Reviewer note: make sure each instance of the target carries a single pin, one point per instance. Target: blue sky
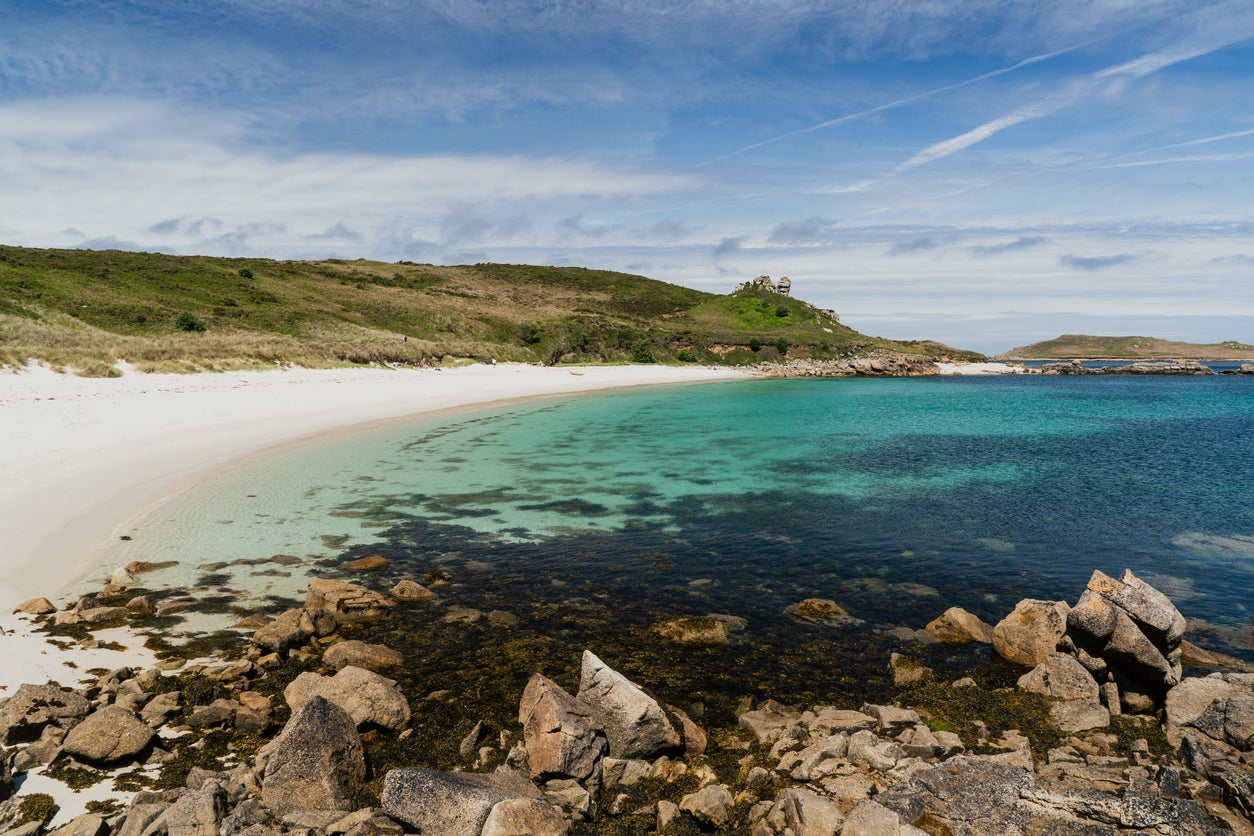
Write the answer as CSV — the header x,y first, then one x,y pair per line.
x,y
983,173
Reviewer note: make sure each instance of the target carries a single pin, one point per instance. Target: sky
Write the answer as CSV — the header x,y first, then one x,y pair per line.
x,y
987,173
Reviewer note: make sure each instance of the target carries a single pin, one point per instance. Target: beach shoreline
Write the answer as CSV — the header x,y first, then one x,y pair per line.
x,y
87,457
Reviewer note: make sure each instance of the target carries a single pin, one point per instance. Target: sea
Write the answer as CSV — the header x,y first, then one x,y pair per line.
x,y
586,522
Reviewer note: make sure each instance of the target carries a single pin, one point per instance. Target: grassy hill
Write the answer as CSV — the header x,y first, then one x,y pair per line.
x,y
86,309
1083,346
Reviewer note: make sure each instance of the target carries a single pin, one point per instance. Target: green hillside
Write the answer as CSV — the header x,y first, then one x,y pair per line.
x,y
1086,347
86,309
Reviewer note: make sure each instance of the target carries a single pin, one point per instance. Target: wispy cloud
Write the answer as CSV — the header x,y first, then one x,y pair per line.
x,y
1237,258
916,245
1023,242
1190,158
1094,263
812,230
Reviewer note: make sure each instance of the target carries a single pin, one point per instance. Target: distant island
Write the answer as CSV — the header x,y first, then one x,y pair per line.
x,y
1088,347
85,309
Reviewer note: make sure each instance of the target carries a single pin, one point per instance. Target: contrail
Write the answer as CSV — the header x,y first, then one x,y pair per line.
x,y
1035,59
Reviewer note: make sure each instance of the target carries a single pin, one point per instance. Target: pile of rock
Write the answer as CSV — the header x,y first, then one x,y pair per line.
x,y
881,364
1172,367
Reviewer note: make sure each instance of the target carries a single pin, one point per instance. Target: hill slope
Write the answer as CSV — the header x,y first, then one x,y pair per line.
x,y
86,309
1086,347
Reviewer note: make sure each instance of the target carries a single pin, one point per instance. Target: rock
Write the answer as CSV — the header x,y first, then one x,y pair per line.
x,y
218,713
667,813
1130,652
805,813
140,605
635,725
103,615
373,563
502,619
88,824
964,795
284,633
1191,654
1062,677
447,803
107,735
563,735
1091,620
1073,716
1029,634
359,654
695,738
957,626
891,717
870,818
867,750
570,796
348,601
160,708
365,695
707,629
525,817
36,606
812,762
906,671
197,813
826,720
821,611
25,714
769,721
1152,611
708,805
411,592
316,762
617,772
139,567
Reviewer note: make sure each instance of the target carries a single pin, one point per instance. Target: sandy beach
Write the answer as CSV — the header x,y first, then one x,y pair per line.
x,y
83,457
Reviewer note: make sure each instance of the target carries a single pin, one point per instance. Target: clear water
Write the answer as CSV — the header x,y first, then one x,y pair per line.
x,y
897,498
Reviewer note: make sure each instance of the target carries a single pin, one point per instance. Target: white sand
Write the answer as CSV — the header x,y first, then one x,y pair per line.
x,y
981,368
82,457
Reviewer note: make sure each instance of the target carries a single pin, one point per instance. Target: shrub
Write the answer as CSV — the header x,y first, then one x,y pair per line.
x,y
782,345
245,273
755,345
189,322
641,352
686,356
528,333
781,311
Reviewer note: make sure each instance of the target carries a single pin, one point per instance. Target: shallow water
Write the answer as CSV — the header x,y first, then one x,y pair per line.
x,y
895,497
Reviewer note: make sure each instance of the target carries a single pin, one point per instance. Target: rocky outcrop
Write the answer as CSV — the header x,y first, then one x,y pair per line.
x,y
316,762
370,699
107,735
636,726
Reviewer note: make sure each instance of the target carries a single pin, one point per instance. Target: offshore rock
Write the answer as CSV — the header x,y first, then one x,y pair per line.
x,y
365,695
564,738
447,803
316,762
635,724
110,734
1029,634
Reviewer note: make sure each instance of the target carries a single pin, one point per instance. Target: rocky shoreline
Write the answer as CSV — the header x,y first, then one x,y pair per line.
x,y
297,728
892,364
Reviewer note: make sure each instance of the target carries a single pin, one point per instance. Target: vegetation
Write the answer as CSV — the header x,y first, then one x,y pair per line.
x,y
88,309
1086,347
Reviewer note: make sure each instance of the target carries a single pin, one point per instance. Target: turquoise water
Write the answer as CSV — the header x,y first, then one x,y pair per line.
x,y
896,498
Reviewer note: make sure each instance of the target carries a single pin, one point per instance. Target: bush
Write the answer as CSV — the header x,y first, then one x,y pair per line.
x,y
782,345
781,311
642,352
245,273
686,356
528,333
755,345
189,322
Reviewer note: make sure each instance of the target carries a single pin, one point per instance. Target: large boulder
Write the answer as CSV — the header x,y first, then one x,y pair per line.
x,y
110,734
33,707
1152,611
563,737
448,803
197,813
365,695
316,762
635,724
525,817
957,626
349,602
1029,634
